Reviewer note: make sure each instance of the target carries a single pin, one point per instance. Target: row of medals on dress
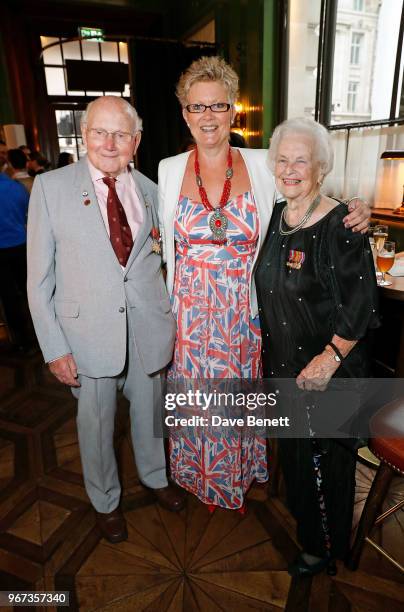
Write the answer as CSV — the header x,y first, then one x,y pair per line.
x,y
296,258
218,222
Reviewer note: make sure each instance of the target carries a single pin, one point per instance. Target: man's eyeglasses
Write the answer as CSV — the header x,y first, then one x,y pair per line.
x,y
218,107
102,135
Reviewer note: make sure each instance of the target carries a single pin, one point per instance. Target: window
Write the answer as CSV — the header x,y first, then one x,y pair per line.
x,y
69,104
356,44
358,5
352,95
69,132
54,59
365,41
368,56
357,88
304,27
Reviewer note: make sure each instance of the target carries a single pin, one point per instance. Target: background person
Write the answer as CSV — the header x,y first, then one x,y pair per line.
x,y
13,257
65,159
17,161
3,156
317,295
237,140
37,164
25,149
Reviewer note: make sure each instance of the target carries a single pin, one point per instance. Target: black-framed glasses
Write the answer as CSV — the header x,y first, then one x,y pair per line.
x,y
217,107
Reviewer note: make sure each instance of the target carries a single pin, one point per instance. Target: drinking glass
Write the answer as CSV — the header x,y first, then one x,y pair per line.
x,y
385,261
372,245
380,234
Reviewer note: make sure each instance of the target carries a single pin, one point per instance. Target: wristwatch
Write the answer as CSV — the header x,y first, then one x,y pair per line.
x,y
336,353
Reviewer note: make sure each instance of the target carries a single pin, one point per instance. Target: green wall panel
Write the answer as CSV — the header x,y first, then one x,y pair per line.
x,y
6,108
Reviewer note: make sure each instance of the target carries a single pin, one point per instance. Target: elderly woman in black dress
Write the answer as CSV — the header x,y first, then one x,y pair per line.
x,y
317,298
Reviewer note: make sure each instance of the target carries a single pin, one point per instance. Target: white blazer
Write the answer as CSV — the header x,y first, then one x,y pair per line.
x,y
171,175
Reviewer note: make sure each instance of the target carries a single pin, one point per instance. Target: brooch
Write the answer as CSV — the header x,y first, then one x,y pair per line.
x,y
296,259
156,240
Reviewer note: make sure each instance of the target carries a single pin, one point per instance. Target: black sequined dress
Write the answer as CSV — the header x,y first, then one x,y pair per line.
x,y
312,284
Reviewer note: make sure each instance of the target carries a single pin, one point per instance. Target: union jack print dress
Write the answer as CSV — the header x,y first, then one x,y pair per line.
x,y
216,338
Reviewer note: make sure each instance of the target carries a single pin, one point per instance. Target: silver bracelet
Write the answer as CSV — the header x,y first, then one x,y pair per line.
x,y
348,201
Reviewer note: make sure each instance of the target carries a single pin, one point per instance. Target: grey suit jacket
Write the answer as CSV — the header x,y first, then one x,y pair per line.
x,y
79,296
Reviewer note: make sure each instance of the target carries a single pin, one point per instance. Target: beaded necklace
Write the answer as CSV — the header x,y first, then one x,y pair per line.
x,y
218,221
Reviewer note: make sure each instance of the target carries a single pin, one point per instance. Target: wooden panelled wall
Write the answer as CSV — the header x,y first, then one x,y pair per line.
x,y
248,35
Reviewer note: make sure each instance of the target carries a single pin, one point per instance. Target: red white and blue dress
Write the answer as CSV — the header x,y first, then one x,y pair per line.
x,y
216,338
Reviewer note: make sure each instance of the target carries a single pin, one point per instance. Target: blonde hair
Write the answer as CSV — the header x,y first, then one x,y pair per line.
x,y
323,152
206,68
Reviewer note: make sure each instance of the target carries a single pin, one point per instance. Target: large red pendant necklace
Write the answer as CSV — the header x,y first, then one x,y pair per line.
x,y
218,221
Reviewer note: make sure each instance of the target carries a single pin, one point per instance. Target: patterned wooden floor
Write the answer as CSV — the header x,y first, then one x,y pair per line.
x,y
176,562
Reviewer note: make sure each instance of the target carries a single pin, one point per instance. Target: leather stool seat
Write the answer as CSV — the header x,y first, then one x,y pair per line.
x,y
387,431
387,443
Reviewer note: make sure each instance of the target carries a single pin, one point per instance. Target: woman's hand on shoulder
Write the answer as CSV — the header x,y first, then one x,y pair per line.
x,y
359,215
318,372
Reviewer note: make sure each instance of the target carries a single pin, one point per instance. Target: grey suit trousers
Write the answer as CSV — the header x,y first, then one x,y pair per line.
x,y
97,401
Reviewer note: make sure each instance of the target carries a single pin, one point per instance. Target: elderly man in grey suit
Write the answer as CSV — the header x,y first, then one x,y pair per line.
x,y
99,302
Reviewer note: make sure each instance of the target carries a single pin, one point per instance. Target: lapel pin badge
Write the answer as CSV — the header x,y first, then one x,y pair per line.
x,y
87,201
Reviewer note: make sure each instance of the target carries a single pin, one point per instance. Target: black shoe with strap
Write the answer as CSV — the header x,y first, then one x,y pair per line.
x,y
301,568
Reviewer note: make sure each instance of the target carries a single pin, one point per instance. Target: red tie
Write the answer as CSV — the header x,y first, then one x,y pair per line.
x,y
119,230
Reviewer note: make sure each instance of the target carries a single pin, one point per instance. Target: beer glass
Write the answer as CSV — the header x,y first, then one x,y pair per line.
x,y
385,261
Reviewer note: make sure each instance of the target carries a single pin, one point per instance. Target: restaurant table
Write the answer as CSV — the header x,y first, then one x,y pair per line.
x,y
395,291
390,345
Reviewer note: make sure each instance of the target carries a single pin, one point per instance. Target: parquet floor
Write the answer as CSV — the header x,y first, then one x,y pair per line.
x,y
191,561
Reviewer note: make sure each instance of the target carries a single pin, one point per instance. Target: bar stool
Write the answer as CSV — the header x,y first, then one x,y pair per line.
x,y
389,423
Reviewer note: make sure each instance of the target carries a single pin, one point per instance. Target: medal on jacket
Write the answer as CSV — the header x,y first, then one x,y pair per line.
x,y
156,241
296,259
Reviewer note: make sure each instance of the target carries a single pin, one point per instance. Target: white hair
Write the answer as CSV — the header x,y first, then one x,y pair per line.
x,y
126,107
323,152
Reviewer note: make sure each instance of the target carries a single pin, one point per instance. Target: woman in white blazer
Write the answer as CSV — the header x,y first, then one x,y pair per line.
x,y
171,176
215,204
